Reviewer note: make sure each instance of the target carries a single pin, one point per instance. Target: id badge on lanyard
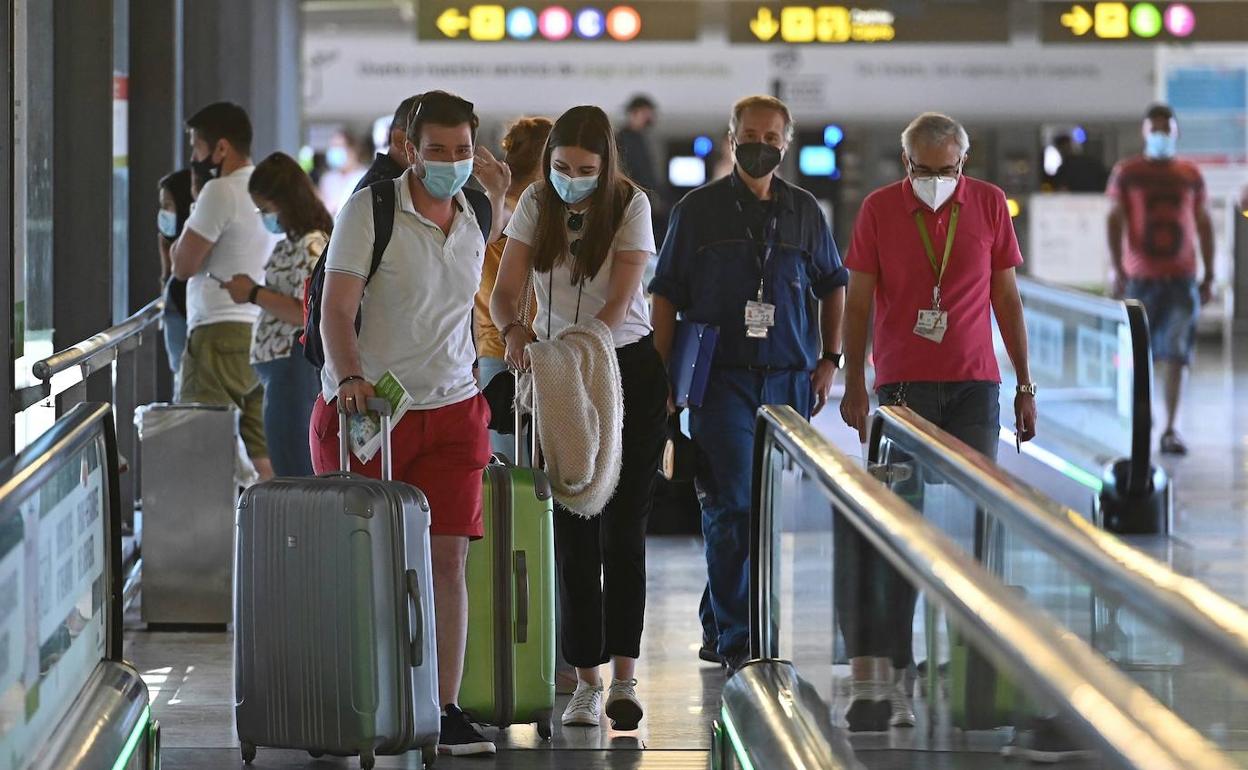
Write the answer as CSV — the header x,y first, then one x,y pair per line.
x,y
760,316
933,323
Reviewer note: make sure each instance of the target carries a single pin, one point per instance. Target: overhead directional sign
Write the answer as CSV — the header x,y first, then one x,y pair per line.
x,y
1125,22
607,21
903,21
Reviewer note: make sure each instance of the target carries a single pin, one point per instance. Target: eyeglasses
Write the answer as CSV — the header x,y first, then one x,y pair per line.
x,y
576,221
947,171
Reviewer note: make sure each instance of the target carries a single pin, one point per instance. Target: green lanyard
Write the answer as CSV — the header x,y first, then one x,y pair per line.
x,y
939,270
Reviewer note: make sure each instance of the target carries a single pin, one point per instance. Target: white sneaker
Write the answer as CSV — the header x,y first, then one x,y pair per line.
x,y
902,705
623,708
585,708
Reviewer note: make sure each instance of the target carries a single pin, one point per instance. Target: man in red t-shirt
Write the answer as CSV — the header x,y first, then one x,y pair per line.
x,y
1158,215
935,253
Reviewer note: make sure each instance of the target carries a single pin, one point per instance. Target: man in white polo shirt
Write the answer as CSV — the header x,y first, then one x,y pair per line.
x,y
223,237
416,312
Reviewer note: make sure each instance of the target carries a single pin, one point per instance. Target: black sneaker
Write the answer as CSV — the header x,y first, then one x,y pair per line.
x,y
734,662
459,738
1045,743
709,653
868,716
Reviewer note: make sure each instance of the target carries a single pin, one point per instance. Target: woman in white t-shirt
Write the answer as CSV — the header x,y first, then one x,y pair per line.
x,y
286,201
586,234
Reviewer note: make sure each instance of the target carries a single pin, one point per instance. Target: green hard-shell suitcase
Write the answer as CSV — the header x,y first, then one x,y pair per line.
x,y
509,666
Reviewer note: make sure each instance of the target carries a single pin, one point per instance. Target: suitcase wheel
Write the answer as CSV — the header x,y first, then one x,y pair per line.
x,y
429,755
316,754
544,729
367,760
249,752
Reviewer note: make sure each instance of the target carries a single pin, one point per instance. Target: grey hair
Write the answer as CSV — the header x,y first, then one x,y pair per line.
x,y
932,129
764,103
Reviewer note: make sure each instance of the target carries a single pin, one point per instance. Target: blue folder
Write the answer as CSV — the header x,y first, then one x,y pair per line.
x,y
689,365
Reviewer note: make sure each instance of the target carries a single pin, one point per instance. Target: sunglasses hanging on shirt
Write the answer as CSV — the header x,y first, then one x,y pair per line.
x,y
576,222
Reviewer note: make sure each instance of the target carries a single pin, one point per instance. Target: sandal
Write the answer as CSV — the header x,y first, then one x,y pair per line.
x,y
1171,444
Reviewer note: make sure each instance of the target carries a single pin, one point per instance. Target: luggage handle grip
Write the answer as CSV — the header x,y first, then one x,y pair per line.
x,y
382,407
522,597
418,638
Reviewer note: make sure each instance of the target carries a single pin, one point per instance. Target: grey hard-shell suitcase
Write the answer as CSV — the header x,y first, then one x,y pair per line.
x,y
334,642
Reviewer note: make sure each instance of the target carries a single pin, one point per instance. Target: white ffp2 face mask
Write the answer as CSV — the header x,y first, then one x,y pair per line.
x,y
934,191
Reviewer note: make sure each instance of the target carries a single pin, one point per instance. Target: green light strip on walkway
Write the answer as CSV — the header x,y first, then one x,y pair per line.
x,y
735,737
140,727
1057,463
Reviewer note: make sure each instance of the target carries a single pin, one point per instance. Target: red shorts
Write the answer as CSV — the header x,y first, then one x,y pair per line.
x,y
442,452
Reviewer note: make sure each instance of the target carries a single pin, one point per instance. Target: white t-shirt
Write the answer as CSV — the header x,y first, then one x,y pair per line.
x,y
417,308
225,215
635,233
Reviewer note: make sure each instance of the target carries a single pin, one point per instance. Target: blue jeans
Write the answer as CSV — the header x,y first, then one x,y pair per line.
x,y
291,386
175,337
723,432
1172,306
499,444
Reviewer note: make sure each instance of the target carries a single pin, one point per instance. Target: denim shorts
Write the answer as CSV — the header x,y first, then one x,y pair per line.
x,y
1172,305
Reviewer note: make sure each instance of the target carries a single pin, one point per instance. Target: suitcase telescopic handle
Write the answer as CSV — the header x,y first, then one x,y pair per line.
x,y
418,636
519,429
381,407
522,597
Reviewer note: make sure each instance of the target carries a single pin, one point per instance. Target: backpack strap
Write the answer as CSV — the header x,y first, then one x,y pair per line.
x,y
484,211
384,202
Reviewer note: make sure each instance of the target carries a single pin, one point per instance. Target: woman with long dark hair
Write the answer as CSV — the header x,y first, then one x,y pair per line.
x,y
584,233
175,208
287,202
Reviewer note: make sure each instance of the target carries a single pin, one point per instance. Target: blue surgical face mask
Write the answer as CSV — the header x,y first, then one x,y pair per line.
x,y
270,222
443,180
167,223
1160,145
573,190
336,157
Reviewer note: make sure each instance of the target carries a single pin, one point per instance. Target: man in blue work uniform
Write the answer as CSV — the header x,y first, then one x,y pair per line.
x,y
749,254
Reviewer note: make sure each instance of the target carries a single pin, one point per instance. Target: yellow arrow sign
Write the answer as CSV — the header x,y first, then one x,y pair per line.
x,y
764,26
1078,20
451,22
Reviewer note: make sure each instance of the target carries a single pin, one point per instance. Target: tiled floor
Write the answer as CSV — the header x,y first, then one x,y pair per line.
x,y
191,682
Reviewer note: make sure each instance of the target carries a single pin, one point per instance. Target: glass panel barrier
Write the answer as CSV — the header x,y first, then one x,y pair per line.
x,y
840,560
1080,353
1184,644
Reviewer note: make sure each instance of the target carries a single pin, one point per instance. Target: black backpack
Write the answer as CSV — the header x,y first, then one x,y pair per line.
x,y
384,202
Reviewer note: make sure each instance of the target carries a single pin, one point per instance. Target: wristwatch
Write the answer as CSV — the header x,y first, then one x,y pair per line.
x,y
1028,389
836,358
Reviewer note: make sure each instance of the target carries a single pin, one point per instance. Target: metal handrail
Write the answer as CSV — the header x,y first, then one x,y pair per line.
x,y
1140,470
1216,624
771,718
1109,710
87,350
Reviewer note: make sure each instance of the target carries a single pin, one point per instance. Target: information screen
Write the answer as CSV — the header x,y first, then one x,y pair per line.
x,y
53,596
518,22
921,21
1152,22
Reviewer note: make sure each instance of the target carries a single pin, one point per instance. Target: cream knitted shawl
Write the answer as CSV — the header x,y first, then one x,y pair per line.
x,y
574,393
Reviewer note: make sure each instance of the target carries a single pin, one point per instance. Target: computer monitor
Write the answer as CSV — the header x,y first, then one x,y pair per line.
x,y
686,171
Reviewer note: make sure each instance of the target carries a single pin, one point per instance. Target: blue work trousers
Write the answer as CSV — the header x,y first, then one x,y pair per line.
x,y
723,432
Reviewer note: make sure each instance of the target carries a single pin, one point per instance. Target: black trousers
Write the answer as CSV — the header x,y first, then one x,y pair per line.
x,y
874,602
601,562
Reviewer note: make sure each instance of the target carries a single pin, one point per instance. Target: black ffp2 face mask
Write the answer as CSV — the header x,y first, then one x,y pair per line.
x,y
757,159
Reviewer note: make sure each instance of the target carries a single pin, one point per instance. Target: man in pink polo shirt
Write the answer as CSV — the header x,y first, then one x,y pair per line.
x,y
936,252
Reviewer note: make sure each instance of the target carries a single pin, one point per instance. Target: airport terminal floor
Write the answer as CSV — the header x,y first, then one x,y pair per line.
x,y
190,681
190,191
